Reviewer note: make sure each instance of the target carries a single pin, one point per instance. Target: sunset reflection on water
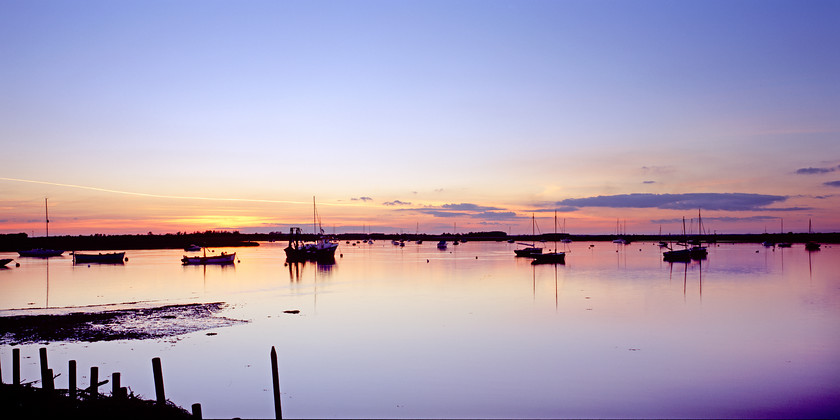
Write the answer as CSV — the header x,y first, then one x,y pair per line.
x,y
472,331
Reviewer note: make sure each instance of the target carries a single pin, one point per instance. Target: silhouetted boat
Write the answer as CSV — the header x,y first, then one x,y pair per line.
x,y
224,258
698,252
530,249
550,257
110,258
811,245
768,244
43,252
192,247
322,250
5,261
441,245
677,255
784,244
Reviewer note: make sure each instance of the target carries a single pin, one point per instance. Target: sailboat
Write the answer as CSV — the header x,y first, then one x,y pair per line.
x,y
697,251
551,257
565,240
43,252
531,249
811,245
678,255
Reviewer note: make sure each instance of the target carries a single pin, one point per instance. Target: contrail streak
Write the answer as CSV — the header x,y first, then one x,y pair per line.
x,y
243,200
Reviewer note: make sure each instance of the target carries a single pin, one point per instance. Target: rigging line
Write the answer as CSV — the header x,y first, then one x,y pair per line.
x,y
245,200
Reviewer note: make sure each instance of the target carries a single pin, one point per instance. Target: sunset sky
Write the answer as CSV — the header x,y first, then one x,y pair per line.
x,y
167,116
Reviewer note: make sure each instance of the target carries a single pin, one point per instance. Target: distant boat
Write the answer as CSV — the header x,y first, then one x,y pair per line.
x,y
110,258
811,245
5,261
193,248
224,258
784,244
441,245
43,252
530,249
768,244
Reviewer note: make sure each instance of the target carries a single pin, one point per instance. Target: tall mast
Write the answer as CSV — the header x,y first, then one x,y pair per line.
x,y
47,213
314,217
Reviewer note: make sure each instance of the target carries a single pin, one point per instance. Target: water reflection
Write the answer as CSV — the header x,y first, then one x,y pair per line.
x,y
750,336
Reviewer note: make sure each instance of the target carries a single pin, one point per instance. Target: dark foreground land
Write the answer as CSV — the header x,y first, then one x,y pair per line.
x,y
20,241
26,401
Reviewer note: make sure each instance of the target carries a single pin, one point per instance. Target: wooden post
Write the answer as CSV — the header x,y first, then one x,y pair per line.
x,y
158,372
16,366
196,411
115,384
71,386
44,368
50,385
94,381
275,378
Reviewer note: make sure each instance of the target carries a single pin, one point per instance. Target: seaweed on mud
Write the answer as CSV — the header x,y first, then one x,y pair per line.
x,y
124,324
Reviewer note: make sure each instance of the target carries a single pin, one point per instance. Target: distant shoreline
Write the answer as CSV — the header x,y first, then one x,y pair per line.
x,y
21,241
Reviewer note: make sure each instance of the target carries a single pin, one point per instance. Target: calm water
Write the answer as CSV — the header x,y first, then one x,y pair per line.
x,y
469,332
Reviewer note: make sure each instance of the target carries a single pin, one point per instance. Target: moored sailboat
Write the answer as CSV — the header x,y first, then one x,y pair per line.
x,y
43,252
550,257
531,249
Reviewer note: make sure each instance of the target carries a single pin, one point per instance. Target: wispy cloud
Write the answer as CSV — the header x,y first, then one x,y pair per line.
x,y
468,207
832,183
466,210
361,199
396,203
812,171
648,182
720,219
706,201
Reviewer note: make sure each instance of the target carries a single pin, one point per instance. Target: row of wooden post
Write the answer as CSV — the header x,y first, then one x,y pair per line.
x,y
117,391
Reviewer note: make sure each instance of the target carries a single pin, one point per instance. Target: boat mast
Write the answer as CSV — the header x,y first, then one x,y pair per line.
x,y
47,213
314,217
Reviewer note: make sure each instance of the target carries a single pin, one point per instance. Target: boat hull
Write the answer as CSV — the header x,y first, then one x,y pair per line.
x,y
4,261
680,255
528,252
41,253
549,258
215,259
111,258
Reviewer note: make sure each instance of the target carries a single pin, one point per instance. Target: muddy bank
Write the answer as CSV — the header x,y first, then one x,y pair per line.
x,y
124,324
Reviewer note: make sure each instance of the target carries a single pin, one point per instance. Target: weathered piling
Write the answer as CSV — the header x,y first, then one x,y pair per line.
x,y
94,381
158,372
196,411
46,377
71,373
115,384
275,379
16,366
